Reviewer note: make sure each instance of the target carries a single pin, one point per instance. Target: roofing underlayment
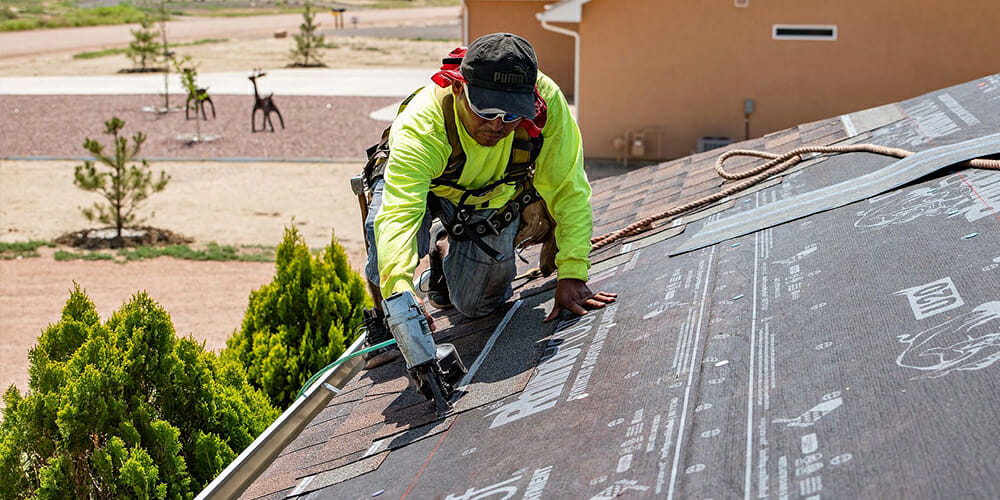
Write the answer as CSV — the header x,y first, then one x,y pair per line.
x,y
843,350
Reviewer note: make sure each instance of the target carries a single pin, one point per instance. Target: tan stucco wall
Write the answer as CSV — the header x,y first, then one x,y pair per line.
x,y
687,66
554,50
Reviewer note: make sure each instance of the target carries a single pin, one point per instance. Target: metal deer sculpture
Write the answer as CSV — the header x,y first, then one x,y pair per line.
x,y
200,97
264,104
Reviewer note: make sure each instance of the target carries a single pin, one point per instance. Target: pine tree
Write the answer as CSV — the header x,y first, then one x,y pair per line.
x,y
308,43
123,187
144,47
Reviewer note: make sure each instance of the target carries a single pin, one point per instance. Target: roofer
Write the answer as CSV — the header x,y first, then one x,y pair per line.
x,y
469,178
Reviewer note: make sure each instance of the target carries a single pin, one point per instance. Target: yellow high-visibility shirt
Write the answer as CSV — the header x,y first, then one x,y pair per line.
x,y
419,152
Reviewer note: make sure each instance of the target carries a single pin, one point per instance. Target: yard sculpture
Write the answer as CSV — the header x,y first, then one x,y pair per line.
x,y
200,97
264,104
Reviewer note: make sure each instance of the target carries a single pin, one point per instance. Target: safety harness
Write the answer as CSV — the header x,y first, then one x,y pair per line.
x,y
519,172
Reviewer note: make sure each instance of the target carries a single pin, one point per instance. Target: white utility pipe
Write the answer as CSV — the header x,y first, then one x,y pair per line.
x,y
576,63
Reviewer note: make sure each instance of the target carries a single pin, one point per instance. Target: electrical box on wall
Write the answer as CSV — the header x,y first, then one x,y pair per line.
x,y
707,143
639,143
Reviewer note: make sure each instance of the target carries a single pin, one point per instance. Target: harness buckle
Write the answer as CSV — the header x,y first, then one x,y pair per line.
x,y
493,224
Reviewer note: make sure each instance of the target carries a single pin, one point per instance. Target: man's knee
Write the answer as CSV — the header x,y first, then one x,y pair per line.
x,y
473,309
477,290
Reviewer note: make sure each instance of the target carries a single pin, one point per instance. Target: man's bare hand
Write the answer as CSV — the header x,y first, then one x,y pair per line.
x,y
575,296
427,315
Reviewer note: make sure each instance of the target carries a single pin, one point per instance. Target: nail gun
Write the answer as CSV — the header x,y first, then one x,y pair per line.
x,y
436,370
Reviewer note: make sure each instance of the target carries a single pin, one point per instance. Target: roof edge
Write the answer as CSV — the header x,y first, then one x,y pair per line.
x,y
257,457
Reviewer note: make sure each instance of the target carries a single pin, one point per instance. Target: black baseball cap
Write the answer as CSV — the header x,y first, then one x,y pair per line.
x,y
500,70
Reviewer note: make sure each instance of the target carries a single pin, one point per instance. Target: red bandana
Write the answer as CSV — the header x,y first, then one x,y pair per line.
x,y
450,73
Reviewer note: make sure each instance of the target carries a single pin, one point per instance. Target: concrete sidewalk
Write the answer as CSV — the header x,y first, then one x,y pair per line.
x,y
393,82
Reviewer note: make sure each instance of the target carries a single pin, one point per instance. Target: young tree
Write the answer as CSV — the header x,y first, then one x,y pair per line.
x,y
167,55
301,321
123,187
189,75
124,409
308,43
144,46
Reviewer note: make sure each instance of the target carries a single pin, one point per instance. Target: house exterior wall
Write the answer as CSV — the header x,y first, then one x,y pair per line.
x,y
685,67
553,50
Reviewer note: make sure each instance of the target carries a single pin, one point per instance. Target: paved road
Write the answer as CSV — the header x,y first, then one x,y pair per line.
x,y
25,43
393,82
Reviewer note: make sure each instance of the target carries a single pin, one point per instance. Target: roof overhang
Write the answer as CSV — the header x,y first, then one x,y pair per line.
x,y
567,11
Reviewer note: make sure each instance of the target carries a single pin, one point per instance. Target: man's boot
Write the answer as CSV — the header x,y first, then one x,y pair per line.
x,y
377,332
437,287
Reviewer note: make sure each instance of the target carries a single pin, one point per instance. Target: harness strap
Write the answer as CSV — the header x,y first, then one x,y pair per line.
x,y
456,160
460,228
524,150
492,252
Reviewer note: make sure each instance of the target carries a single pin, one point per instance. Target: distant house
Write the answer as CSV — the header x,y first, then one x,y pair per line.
x,y
662,79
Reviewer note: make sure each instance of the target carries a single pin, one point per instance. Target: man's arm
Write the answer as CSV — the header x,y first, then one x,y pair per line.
x,y
419,148
561,180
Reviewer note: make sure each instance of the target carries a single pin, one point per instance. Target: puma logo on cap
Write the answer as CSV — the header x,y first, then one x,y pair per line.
x,y
519,76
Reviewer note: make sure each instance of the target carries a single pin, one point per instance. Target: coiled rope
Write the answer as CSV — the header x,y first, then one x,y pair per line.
x,y
776,164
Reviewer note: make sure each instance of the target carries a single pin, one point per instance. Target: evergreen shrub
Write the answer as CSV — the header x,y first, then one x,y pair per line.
x,y
300,322
124,409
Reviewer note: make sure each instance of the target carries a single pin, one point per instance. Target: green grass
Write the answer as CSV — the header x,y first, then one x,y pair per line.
x,y
403,4
22,249
211,252
19,15
63,255
203,41
245,13
94,54
121,50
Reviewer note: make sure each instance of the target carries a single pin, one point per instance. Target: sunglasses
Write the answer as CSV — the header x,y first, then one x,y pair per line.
x,y
491,113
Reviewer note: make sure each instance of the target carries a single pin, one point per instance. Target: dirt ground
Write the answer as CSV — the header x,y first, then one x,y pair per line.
x,y
242,54
246,203
237,204
225,203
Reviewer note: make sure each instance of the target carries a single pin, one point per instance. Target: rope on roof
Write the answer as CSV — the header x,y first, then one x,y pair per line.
x,y
777,163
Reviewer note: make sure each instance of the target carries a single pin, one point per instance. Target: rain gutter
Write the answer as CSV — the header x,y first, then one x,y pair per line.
x,y
567,11
257,457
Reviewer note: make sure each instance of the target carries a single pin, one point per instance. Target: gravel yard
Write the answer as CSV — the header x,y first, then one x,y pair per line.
x,y
318,128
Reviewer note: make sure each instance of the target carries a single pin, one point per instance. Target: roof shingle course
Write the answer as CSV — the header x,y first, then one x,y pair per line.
x,y
647,356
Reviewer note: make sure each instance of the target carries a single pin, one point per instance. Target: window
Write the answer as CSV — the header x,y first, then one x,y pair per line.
x,y
803,32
